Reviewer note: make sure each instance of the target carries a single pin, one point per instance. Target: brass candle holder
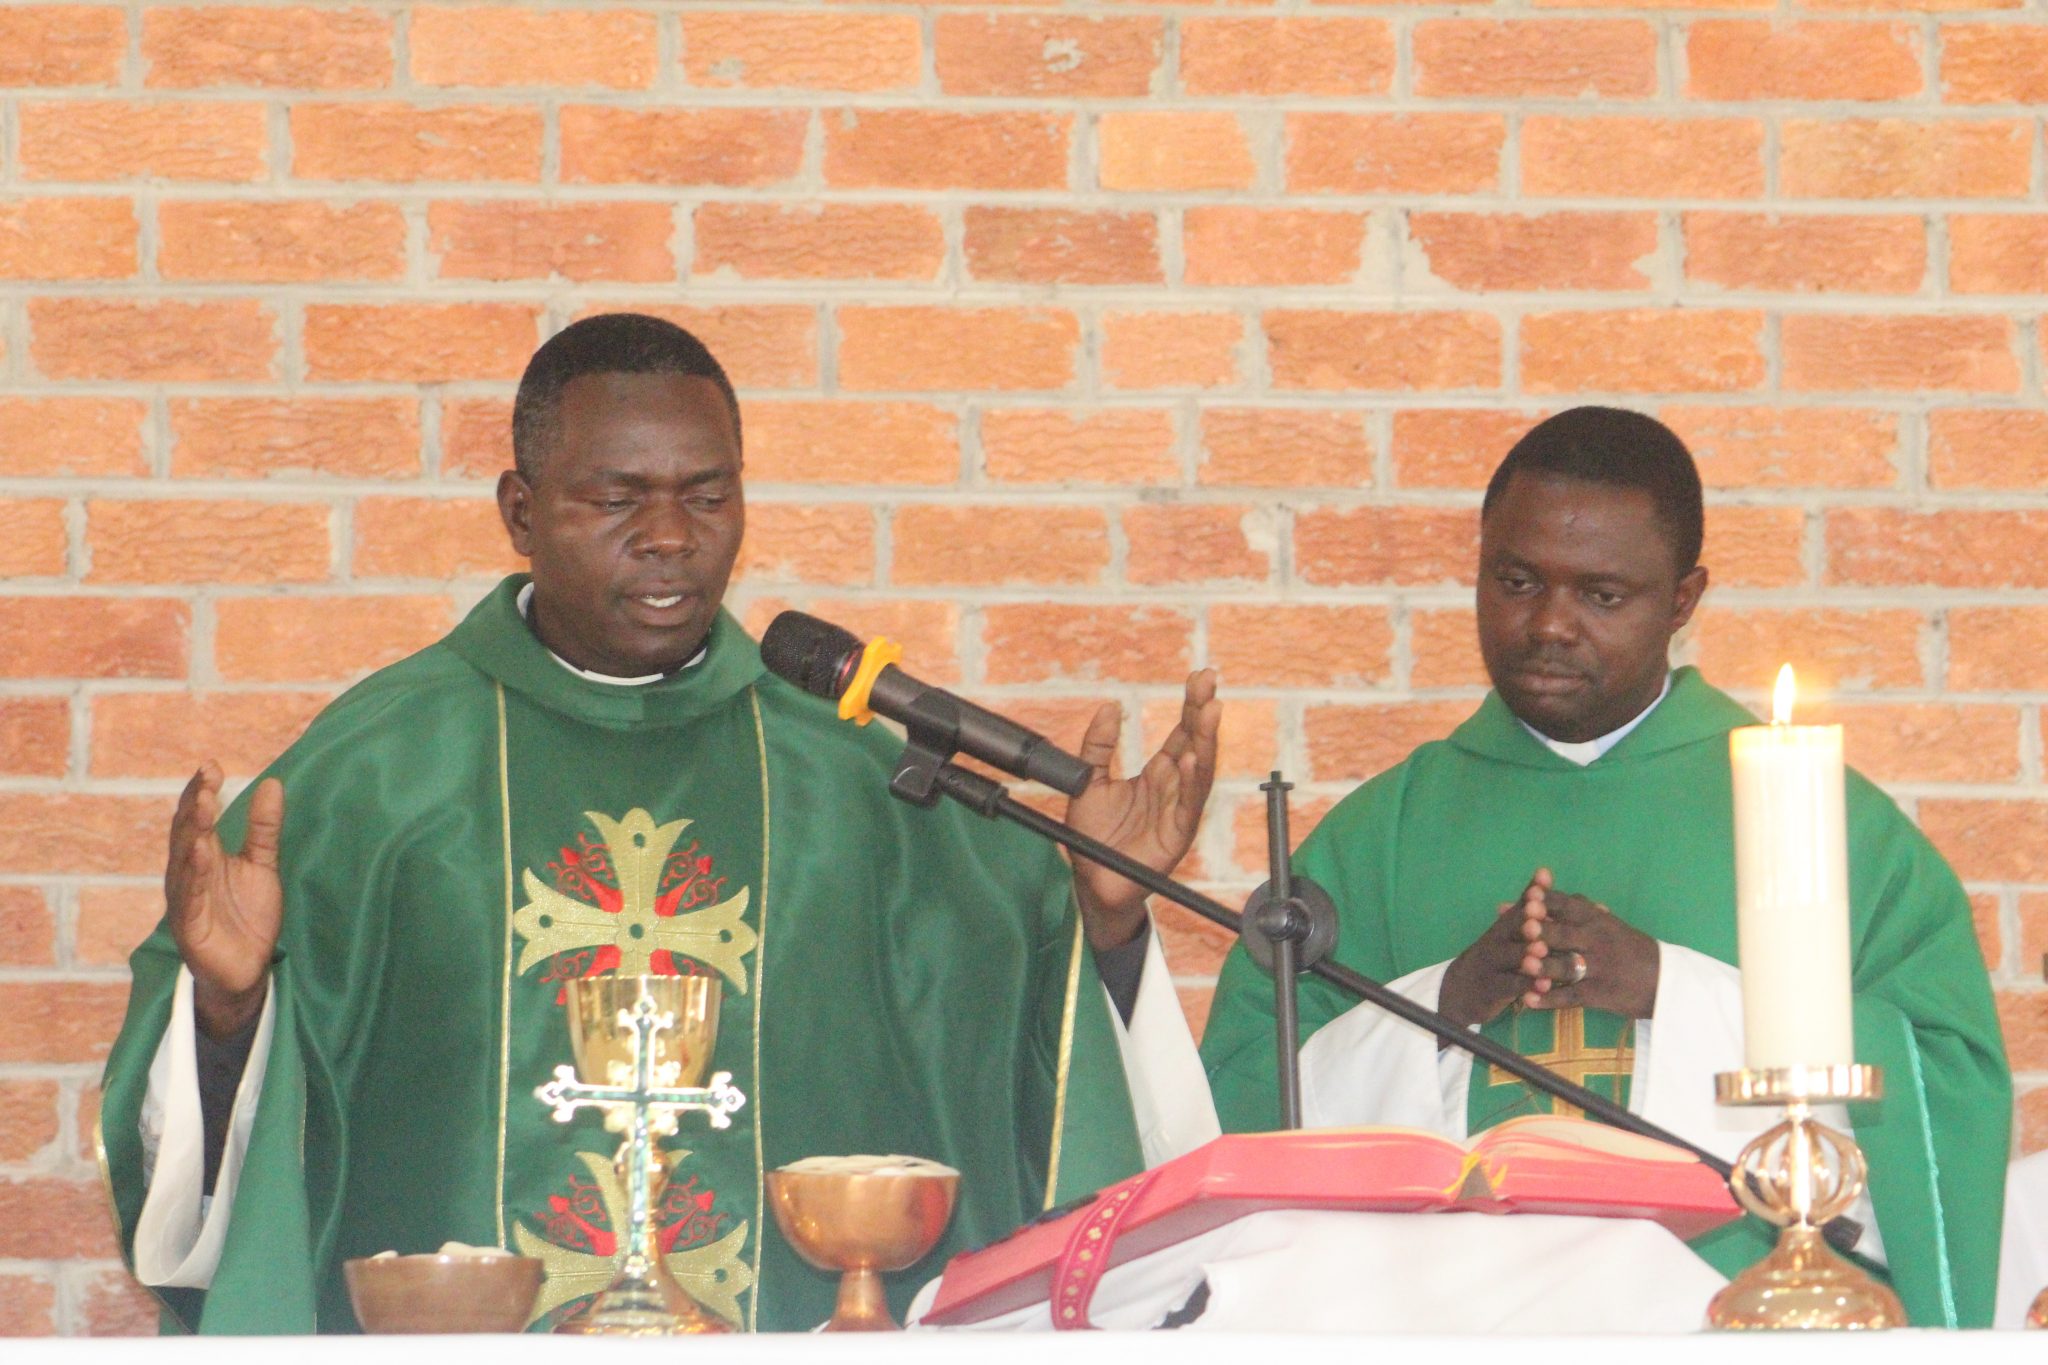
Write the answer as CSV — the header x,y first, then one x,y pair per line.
x,y
1799,1175
642,1046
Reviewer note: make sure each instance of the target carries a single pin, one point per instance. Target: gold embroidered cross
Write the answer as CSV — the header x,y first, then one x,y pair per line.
x,y
1570,1058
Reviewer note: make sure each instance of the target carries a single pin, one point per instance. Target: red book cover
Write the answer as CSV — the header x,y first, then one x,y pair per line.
x,y
1540,1164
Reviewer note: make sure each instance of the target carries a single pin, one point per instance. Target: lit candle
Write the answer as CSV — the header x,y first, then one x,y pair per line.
x,y
1791,890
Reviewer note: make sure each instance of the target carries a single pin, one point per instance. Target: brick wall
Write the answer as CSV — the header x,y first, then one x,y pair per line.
x,y
1079,344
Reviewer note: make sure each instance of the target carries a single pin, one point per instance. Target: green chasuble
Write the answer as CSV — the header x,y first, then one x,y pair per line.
x,y
1419,859
470,828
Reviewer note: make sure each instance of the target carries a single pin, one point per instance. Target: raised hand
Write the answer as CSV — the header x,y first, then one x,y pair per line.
x,y
225,909
1152,817
1497,969
1586,955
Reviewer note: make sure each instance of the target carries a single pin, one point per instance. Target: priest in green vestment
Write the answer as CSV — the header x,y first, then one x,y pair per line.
x,y
594,774
1559,873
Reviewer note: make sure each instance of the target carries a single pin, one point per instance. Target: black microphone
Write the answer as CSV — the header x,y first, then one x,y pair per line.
x,y
828,661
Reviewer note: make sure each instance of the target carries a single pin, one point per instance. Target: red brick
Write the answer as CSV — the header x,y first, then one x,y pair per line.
x,y
993,546
761,345
1643,350
1046,642
272,243
1443,648
168,734
2023,1020
1762,59
1170,350
1910,354
1990,841
1898,158
476,437
321,639
1228,244
946,149
28,1120
431,538
1284,448
1352,743
1173,149
1061,445
37,542
1454,447
240,438
397,143
1756,547
1816,253
2031,1111
35,736
1061,246
1994,64
762,50
161,340
1373,546
298,48
418,343
915,348
60,1022
1498,251
537,240
2033,925
67,833
114,1305
1957,547
1296,55
1789,447
116,140
1058,56
1322,349
626,146
1984,918
504,45
1193,946
38,1213
68,239
1643,157
28,938
1926,742
1987,448
928,631
1247,740
188,541
851,443
1536,58
1997,648
93,637
62,44
809,543
1331,153
1997,253
1317,647
113,920
1833,650
818,241
76,437
1198,543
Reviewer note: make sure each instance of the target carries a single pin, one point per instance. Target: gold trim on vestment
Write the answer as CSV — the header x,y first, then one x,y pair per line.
x,y
760,991
1059,1093
505,963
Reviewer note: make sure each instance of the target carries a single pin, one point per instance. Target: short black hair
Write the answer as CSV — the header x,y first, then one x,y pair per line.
x,y
1621,448
608,343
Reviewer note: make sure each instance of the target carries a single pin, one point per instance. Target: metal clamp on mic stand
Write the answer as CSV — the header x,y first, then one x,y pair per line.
x,y
1289,925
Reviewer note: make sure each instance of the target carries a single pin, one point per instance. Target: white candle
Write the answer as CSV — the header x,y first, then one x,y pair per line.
x,y
1791,890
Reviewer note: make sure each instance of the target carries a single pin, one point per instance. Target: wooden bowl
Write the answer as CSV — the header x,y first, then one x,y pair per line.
x,y
418,1294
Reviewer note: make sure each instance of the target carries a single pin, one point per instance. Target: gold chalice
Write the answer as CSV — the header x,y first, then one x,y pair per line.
x,y
863,1216
643,1046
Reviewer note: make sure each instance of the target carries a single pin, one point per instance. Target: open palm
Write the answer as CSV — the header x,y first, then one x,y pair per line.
x,y
225,909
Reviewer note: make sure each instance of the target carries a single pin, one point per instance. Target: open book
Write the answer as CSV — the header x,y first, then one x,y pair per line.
x,y
1540,1164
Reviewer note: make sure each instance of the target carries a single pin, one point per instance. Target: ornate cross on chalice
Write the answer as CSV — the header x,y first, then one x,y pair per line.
x,y
642,1046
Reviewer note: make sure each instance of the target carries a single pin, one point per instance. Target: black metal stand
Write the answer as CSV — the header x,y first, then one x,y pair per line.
x,y
1289,925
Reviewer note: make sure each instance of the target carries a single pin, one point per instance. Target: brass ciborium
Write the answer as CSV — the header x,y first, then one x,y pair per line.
x,y
642,1046
863,1216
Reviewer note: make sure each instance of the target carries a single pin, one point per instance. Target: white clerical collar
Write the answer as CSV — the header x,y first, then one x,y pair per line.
x,y
1586,751
525,599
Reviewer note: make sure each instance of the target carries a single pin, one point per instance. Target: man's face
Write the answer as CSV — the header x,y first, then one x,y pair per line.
x,y
1579,596
633,521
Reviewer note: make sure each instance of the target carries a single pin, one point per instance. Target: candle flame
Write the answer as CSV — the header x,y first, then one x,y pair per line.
x,y
1781,697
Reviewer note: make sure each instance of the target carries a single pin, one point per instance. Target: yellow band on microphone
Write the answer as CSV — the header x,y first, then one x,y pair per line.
x,y
853,702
